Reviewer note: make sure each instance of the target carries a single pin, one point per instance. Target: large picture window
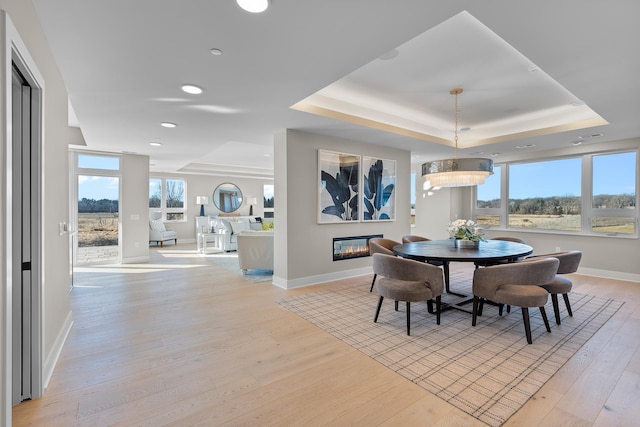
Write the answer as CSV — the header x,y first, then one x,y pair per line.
x,y
167,195
590,194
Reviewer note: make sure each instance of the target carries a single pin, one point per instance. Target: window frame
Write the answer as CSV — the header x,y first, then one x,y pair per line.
x,y
163,209
588,212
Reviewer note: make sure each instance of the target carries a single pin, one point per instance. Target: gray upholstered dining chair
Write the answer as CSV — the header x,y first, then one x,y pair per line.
x,y
380,245
569,262
409,238
505,239
407,280
518,284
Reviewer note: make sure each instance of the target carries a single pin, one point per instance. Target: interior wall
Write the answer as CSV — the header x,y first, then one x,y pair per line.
x,y
309,256
55,194
134,208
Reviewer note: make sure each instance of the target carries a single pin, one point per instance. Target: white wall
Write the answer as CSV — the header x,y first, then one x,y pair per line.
x,y
134,208
55,171
303,248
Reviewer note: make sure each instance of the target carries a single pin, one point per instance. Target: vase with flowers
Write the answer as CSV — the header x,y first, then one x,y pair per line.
x,y
465,233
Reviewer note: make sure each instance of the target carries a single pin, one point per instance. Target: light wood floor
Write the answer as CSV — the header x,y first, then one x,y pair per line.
x,y
180,341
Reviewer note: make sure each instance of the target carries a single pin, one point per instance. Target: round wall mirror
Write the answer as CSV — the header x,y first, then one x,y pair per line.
x,y
227,197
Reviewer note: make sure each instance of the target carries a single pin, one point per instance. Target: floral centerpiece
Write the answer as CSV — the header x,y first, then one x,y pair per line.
x,y
465,230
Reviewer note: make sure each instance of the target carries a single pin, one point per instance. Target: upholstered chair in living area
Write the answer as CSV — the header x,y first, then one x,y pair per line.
x,y
518,284
569,262
157,231
407,280
379,245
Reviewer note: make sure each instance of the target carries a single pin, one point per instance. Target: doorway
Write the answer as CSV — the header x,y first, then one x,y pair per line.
x,y
26,236
95,208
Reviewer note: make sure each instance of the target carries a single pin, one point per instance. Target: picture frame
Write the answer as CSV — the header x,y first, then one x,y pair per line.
x,y
378,189
339,180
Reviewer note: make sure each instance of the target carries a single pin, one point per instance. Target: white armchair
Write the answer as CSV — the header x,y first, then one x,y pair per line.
x,y
157,231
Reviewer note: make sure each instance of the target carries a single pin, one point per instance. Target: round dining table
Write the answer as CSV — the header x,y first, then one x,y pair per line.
x,y
442,252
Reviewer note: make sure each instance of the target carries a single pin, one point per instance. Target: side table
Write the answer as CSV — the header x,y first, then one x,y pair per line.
x,y
215,238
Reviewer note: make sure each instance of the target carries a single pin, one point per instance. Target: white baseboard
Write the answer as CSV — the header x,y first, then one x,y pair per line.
x,y
609,274
321,278
52,357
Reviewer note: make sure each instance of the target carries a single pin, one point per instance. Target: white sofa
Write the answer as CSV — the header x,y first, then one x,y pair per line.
x,y
157,231
255,250
231,227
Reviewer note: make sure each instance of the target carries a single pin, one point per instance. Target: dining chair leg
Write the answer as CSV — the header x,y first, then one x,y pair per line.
x,y
430,307
527,325
475,310
438,298
481,307
566,302
408,317
543,313
500,308
556,307
396,305
375,319
373,282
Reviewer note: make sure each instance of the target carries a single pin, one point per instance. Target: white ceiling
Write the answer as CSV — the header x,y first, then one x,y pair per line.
x,y
123,63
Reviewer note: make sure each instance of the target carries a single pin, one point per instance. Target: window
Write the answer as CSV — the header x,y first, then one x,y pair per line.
x,y
92,161
546,195
614,193
590,194
489,201
167,195
268,200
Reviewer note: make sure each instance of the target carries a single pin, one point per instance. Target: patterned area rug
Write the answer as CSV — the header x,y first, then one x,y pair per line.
x,y
229,261
488,371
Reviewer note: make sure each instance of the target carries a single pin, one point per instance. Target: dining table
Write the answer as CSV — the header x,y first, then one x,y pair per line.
x,y
443,252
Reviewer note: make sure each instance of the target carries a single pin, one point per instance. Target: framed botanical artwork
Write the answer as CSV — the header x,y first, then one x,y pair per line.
x,y
338,184
378,189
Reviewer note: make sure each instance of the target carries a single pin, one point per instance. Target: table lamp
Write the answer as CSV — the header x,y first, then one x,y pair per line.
x,y
202,200
251,201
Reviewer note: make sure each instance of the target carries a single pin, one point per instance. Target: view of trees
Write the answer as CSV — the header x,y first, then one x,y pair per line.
x,y
567,205
94,206
268,202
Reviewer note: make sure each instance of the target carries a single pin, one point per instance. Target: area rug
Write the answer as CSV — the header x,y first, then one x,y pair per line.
x,y
229,261
488,371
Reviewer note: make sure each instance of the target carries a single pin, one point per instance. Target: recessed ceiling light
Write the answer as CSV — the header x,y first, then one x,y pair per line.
x,y
578,142
467,129
578,103
156,144
192,89
495,154
533,68
215,51
526,146
253,6
596,135
168,124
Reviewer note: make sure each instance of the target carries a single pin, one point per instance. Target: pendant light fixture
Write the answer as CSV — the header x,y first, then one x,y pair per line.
x,y
457,172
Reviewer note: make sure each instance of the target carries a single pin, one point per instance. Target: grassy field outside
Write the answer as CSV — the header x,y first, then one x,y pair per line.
x,y
561,222
97,229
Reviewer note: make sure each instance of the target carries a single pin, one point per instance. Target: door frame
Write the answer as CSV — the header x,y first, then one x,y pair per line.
x,y
14,51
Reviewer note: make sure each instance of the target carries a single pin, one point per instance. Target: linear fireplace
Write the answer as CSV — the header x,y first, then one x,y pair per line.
x,y
351,247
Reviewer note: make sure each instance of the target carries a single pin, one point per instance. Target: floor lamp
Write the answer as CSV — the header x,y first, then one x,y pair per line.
x,y
202,200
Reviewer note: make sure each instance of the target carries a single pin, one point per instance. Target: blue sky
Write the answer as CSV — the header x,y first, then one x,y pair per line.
x,y
612,174
97,187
